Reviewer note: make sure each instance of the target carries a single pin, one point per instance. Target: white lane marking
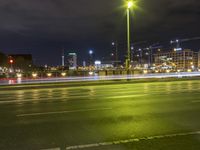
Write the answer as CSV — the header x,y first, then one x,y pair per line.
x,y
62,112
130,140
125,96
51,149
18,101
39,99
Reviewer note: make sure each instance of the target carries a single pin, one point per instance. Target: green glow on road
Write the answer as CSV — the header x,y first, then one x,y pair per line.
x,y
61,117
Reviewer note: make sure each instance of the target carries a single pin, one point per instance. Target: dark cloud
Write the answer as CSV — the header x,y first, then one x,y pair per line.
x,y
44,27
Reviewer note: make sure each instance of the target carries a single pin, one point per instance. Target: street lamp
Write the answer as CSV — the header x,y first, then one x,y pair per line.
x,y
19,75
63,74
49,74
91,52
130,4
34,75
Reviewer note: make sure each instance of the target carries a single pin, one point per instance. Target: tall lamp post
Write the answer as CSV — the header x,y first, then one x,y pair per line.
x,y
115,45
91,57
128,60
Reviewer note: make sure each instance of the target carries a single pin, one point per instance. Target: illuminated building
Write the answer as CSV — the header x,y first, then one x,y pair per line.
x,y
182,60
72,61
199,59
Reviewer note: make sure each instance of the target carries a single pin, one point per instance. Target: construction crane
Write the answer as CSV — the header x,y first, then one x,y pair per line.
x,y
151,48
148,52
178,41
133,47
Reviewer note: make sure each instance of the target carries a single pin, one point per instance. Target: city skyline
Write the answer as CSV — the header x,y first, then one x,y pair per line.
x,y
99,75
45,28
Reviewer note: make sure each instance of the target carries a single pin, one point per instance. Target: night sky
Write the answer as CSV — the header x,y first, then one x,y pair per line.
x,y
45,27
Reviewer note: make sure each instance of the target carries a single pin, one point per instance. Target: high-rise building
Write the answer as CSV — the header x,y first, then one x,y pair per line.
x,y
72,61
183,59
63,58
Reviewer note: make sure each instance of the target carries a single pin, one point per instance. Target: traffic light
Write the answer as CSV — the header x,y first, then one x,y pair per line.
x,y
11,61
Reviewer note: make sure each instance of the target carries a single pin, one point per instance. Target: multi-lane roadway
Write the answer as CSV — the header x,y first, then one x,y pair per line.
x,y
141,116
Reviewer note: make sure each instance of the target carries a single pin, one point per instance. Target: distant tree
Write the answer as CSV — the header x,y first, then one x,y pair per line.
x,y
3,59
21,63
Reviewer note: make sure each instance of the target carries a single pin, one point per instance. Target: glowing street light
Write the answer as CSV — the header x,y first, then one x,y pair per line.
x,y
49,74
145,71
19,75
34,75
90,52
130,4
91,73
63,74
132,48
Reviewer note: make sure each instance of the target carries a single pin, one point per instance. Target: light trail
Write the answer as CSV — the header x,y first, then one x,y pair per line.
x,y
98,78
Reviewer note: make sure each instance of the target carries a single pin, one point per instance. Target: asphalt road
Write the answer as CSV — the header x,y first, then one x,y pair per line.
x,y
142,116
